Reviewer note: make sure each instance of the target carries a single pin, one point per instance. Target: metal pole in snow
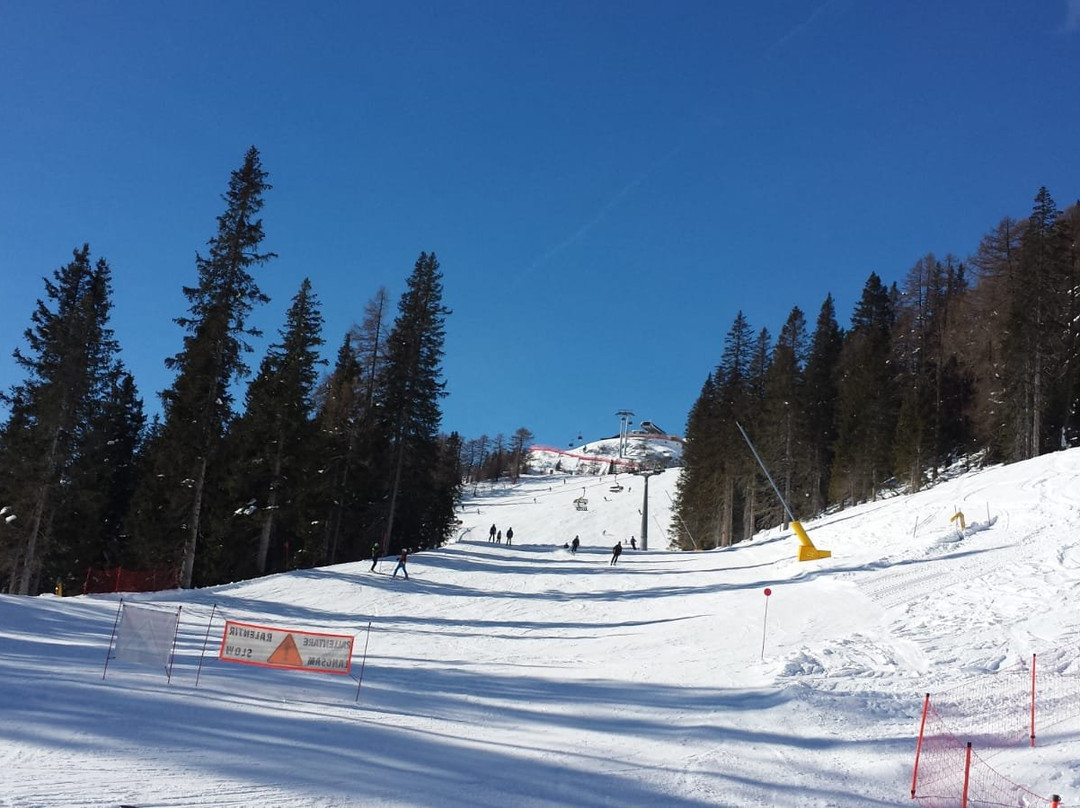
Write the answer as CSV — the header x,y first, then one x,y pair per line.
x,y
765,620
363,663
768,476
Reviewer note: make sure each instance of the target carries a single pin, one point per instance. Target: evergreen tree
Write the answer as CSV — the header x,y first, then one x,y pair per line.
x,y
1037,347
782,430
1064,402
171,502
55,414
932,420
420,510
354,448
866,412
759,505
100,483
717,467
698,487
819,402
273,444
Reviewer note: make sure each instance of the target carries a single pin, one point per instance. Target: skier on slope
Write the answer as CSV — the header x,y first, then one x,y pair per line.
x,y
404,557
616,551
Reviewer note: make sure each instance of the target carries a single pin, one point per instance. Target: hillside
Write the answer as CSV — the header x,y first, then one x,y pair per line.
x,y
528,676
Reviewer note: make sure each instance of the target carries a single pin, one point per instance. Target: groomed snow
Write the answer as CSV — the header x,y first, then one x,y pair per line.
x,y
526,676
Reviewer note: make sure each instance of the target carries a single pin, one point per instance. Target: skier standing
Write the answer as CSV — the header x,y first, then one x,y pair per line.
x,y
616,551
401,564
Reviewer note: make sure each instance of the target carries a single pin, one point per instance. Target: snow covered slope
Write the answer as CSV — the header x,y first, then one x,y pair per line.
x,y
527,676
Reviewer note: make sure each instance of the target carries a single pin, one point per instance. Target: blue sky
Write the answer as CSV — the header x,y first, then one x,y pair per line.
x,y
605,183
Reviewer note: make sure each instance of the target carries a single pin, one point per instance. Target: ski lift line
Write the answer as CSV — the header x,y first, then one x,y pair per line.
x,y
590,458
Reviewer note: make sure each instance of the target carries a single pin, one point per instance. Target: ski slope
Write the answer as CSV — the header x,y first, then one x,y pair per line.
x,y
528,676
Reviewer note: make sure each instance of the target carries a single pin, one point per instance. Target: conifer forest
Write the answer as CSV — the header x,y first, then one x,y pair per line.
x,y
973,360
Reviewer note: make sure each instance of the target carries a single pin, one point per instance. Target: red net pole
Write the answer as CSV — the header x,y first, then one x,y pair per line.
x,y
1033,699
918,745
967,776
1055,801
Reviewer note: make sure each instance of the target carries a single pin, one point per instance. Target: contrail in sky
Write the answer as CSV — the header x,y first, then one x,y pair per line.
x,y
798,29
1072,16
608,206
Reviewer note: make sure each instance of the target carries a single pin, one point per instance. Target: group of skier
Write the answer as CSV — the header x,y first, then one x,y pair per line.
x,y
496,536
403,559
616,551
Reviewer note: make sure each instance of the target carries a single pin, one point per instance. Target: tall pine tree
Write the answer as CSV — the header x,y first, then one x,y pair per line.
x,y
56,415
866,408
420,509
172,500
273,446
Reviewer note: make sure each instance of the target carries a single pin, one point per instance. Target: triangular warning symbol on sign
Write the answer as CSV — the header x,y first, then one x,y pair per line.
x,y
286,654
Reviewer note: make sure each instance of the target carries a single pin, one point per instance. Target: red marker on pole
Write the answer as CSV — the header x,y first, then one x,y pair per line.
x,y
764,619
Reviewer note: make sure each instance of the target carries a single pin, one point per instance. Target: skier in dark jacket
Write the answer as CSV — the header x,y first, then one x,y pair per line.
x,y
574,545
633,543
491,533
374,555
509,535
616,551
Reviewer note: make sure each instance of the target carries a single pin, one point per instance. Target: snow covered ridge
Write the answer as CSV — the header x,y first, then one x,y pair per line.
x,y
533,677
610,455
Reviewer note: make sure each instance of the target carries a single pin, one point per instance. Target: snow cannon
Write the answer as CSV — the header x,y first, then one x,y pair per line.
x,y
807,550
959,517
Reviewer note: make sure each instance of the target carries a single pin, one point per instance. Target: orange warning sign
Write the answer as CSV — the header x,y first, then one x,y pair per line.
x,y
286,648
286,654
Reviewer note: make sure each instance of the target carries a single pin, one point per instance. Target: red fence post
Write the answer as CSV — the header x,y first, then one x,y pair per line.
x,y
1033,699
967,776
918,746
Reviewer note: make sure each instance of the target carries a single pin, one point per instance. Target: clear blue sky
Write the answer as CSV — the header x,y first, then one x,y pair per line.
x,y
605,183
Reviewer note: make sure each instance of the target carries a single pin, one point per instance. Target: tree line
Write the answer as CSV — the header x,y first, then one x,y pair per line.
x,y
975,361
317,467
